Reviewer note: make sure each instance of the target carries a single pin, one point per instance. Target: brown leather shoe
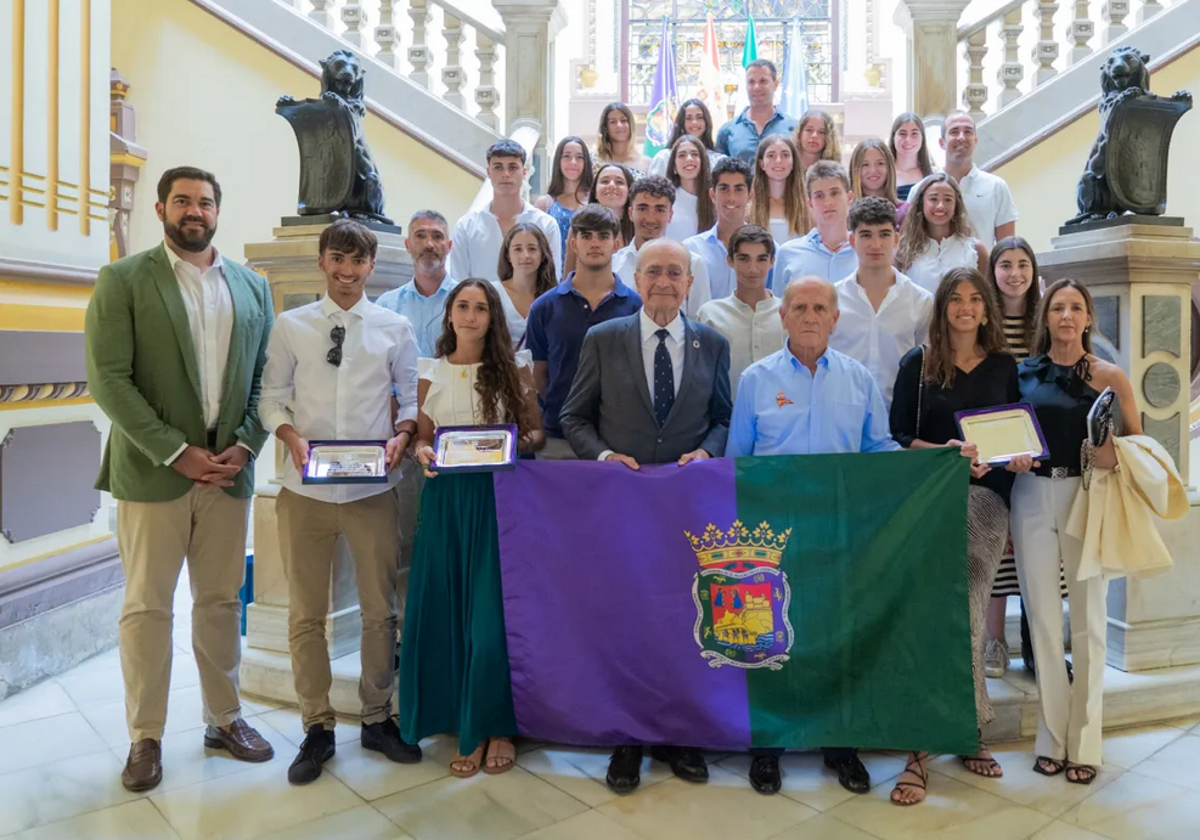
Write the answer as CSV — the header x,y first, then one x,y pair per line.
x,y
143,768
242,741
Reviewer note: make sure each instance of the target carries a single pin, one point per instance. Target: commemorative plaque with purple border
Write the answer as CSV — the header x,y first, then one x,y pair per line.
x,y
464,449
1003,432
346,462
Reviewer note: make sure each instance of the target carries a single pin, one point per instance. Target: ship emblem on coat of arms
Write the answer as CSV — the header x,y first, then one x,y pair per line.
x,y
742,596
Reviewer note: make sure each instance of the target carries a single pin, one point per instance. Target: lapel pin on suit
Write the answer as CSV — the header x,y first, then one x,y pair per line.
x,y
696,343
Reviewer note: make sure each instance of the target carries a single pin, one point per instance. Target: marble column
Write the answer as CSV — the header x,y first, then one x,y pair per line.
x,y
289,262
932,28
1140,276
529,28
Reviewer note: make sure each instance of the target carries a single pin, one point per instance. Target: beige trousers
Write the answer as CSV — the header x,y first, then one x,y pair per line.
x,y
208,527
1070,722
308,534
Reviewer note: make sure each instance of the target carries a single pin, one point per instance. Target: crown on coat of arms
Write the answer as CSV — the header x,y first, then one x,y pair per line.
x,y
761,546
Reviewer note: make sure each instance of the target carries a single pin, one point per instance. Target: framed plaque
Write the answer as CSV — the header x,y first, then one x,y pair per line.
x,y
475,448
346,462
1003,432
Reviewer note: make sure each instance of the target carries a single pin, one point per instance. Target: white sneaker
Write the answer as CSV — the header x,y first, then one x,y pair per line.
x,y
995,658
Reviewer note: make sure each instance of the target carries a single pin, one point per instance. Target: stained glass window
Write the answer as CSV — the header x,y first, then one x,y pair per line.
x,y
688,19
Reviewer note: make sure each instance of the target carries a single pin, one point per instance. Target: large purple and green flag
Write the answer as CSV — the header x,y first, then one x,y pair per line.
x,y
664,97
797,602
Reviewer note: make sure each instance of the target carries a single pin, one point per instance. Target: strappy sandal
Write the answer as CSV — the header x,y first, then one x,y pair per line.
x,y
504,761
1080,774
988,762
922,773
1048,766
466,766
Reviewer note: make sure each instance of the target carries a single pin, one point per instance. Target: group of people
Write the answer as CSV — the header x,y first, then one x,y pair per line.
x,y
800,309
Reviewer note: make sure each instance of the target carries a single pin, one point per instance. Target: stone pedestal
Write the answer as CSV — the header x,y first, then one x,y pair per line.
x,y
1141,276
932,28
289,263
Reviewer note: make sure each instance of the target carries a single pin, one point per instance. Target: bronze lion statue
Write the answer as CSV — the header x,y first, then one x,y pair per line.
x,y
1126,168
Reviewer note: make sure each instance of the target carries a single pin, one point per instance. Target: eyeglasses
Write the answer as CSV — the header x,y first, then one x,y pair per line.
x,y
334,357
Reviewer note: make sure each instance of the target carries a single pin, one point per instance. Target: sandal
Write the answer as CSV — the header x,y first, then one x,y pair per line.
x,y
501,756
984,764
921,774
1048,766
1081,774
466,766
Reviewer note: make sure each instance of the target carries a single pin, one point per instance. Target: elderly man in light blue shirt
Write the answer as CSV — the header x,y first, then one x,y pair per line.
x,y
422,300
807,398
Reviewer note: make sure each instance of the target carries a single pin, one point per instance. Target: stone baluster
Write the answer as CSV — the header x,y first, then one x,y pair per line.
x,y
1045,52
486,95
452,73
386,36
418,53
354,18
1148,10
975,93
321,13
1081,30
1113,13
1012,71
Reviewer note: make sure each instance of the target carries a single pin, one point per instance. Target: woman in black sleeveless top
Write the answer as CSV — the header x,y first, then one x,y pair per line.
x,y
1061,380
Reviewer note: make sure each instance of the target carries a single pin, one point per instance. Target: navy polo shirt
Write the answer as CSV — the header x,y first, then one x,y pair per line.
x,y
554,331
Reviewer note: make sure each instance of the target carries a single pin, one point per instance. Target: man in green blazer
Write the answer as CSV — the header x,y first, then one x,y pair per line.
x,y
176,342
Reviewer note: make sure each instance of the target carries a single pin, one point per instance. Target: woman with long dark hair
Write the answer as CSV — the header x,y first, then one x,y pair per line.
x,y
526,272
570,183
907,142
454,660
610,189
693,119
1061,380
965,366
617,136
779,202
936,234
694,211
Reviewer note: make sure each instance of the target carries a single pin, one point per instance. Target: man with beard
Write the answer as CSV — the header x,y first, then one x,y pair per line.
x,y
422,300
176,343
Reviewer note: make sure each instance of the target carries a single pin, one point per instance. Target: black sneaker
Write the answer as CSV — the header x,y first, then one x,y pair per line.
x,y
316,749
385,737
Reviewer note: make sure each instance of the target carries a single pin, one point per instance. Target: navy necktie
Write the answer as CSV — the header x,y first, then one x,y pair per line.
x,y
664,379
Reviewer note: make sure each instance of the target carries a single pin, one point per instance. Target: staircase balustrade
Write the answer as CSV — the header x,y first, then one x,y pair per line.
x,y
468,79
1025,39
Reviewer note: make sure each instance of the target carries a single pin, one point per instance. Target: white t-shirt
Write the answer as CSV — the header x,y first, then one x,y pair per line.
x,y
684,219
989,203
928,269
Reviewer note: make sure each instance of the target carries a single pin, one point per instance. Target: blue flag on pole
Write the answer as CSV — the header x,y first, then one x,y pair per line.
x,y
793,100
664,98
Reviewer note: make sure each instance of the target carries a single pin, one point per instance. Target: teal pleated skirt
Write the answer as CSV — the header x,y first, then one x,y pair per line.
x,y
454,675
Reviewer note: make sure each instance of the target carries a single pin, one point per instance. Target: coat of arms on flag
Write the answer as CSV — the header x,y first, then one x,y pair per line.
x,y
742,596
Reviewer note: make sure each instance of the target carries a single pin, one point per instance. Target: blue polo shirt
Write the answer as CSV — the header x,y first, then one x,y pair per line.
x,y
554,331
740,138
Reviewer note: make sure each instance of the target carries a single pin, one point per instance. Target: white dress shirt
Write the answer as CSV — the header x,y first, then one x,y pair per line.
x,y
625,261
210,319
684,216
350,401
676,335
477,241
931,266
989,203
879,339
753,333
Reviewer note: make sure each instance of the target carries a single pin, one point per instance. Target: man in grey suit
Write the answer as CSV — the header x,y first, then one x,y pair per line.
x,y
679,371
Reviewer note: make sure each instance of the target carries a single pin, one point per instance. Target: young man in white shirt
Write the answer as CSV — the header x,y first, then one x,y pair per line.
x,y
332,368
651,205
884,314
422,300
480,235
748,318
988,200
732,180
824,251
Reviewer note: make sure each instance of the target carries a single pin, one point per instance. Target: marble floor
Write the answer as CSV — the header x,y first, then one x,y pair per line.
x,y
63,743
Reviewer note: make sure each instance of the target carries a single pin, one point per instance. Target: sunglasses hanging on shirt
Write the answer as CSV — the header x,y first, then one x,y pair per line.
x,y
338,334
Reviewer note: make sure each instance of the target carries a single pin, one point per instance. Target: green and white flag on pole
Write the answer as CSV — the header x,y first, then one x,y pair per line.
x,y
750,48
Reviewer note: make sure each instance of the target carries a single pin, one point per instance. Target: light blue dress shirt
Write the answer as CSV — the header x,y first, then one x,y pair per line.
x,y
424,313
808,255
708,247
782,408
